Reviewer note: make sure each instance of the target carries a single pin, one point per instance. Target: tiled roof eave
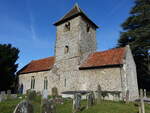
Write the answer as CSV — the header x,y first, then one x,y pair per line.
x,y
99,67
34,71
73,16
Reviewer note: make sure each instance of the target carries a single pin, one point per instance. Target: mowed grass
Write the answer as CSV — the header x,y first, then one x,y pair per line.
x,y
103,107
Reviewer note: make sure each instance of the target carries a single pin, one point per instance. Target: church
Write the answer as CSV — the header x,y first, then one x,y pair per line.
x,y
77,66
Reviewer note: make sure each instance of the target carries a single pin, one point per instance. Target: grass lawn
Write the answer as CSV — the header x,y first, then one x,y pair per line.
x,y
104,107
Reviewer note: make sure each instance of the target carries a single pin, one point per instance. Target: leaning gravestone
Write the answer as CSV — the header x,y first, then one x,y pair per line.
x,y
48,106
24,107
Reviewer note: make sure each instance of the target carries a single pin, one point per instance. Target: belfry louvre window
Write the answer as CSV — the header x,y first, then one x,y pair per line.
x,y
67,26
66,49
32,82
45,83
88,28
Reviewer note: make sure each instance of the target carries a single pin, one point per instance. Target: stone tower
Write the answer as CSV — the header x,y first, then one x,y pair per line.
x,y
75,39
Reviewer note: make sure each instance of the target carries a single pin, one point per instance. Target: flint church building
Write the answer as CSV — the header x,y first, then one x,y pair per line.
x,y
77,66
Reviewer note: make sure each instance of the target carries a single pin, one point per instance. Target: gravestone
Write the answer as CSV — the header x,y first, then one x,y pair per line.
x,y
127,96
3,96
77,102
48,106
54,92
31,95
24,107
145,93
99,94
13,96
45,94
90,99
8,92
0,98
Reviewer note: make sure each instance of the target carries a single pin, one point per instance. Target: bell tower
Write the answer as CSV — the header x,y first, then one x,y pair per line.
x,y
75,39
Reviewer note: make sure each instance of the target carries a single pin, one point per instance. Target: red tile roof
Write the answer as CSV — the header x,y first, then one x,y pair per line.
x,y
105,58
38,65
98,59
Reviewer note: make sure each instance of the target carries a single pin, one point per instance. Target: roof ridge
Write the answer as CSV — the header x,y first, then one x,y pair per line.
x,y
109,50
43,58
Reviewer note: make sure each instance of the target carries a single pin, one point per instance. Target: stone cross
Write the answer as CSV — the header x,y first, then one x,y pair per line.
x,y
141,107
99,92
24,107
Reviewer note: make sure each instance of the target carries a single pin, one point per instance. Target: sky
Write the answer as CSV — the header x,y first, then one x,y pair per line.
x,y
28,24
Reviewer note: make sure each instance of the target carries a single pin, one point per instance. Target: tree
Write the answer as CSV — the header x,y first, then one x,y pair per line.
x,y
8,66
137,34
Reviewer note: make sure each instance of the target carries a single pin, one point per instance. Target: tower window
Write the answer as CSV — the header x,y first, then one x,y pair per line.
x,y
45,83
65,82
67,26
66,49
88,28
32,82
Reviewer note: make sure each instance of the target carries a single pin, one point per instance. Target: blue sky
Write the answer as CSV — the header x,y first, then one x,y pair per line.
x,y
28,24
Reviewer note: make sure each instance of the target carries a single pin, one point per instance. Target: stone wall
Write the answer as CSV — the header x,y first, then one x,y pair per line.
x,y
25,79
131,75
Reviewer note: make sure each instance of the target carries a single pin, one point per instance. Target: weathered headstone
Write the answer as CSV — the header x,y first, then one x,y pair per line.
x,y
145,93
99,93
8,92
54,92
127,96
48,106
31,95
88,100
77,102
3,96
24,107
13,96
45,94
0,98
3,93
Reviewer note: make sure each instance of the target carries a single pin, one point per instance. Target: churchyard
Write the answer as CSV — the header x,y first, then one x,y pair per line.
x,y
34,102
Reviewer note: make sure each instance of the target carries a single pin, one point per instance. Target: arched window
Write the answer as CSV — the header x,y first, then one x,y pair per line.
x,y
66,49
45,83
32,82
